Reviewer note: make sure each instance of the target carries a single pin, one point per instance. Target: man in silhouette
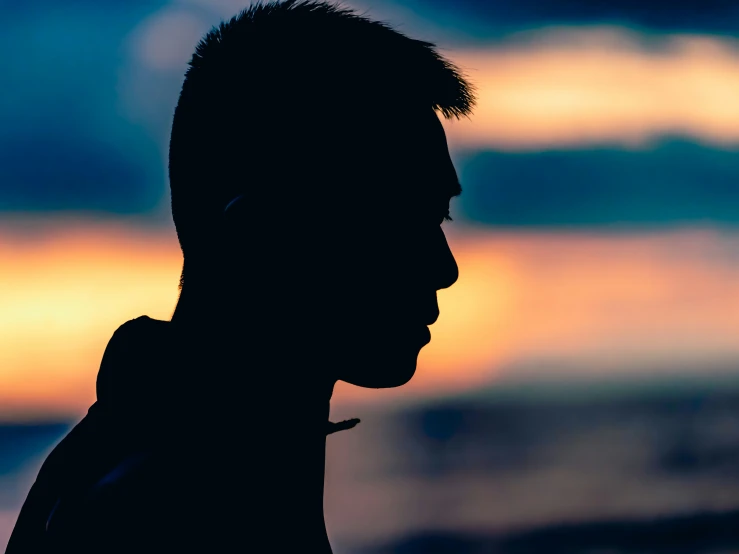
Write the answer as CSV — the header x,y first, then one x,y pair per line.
x,y
310,176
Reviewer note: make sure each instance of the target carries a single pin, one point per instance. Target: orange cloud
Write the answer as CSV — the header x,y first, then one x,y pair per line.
x,y
593,303
578,86
63,292
609,302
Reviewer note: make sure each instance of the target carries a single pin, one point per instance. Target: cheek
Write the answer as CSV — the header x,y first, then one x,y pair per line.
x,y
372,274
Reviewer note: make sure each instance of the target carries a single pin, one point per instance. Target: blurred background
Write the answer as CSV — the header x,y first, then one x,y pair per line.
x,y
581,390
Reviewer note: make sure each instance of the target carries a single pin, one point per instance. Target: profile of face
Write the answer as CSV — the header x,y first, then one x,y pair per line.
x,y
355,291
390,257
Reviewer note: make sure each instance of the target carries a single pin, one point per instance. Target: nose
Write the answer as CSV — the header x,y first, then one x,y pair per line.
x,y
446,271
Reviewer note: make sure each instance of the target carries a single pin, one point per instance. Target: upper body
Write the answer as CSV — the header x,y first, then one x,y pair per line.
x,y
310,176
141,464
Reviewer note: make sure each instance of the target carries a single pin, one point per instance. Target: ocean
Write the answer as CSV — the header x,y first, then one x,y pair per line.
x,y
652,472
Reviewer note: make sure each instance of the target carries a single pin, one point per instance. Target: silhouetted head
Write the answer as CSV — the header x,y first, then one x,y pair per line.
x,y
324,125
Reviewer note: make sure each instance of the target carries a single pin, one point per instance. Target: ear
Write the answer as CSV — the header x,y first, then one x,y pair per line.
x,y
233,205
229,233
234,215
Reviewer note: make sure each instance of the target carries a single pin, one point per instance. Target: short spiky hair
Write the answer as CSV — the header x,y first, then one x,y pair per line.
x,y
256,78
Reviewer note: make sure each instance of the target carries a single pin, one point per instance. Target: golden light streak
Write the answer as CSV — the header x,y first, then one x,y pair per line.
x,y
63,293
599,301
575,86
594,304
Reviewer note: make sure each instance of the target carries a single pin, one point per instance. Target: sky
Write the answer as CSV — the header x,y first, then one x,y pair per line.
x,y
596,234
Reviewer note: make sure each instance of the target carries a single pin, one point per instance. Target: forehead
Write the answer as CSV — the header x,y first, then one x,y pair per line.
x,y
416,154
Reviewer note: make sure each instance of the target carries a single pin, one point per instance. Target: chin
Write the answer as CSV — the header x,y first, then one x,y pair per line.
x,y
401,369
404,377
381,361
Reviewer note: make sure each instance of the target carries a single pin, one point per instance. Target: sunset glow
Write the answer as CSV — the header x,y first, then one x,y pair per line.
x,y
599,86
599,301
581,386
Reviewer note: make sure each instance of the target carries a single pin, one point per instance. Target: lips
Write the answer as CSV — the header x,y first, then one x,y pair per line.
x,y
431,319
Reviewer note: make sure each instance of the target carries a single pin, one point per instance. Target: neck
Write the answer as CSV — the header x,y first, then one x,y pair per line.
x,y
232,337
192,308
276,408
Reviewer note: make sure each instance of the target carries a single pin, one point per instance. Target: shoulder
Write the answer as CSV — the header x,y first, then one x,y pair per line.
x,y
131,509
113,356
120,355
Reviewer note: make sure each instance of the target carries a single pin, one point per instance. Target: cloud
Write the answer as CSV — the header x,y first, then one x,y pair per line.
x,y
676,182
86,128
63,67
63,142
577,86
598,303
72,171
492,20
166,40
